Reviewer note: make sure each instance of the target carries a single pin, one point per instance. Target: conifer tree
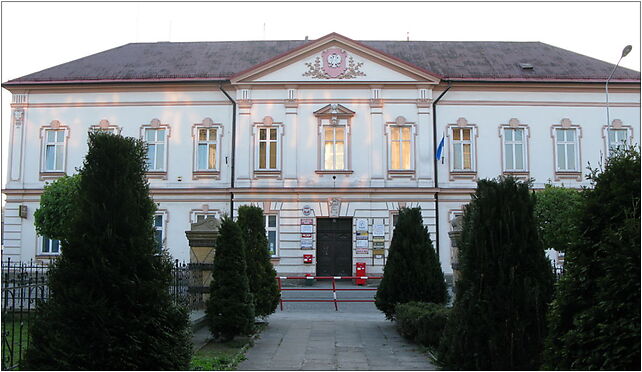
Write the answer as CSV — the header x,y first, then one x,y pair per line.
x,y
594,321
412,271
230,309
260,272
109,305
498,318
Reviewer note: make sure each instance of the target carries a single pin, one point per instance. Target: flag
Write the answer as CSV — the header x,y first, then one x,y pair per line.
x,y
440,149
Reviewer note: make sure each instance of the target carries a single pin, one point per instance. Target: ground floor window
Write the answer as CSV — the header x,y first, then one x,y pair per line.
x,y
158,232
271,231
50,246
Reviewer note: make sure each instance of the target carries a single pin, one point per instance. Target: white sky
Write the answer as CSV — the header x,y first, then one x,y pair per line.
x,y
36,36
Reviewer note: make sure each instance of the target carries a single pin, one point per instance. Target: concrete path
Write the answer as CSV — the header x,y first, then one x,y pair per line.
x,y
332,340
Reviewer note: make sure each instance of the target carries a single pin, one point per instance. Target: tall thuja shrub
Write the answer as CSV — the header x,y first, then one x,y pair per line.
x,y
594,322
230,309
260,272
498,318
412,271
110,305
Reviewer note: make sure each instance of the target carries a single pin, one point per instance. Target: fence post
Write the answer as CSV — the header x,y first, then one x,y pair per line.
x,y
334,294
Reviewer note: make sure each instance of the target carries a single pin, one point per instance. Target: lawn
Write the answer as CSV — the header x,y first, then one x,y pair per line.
x,y
14,340
223,356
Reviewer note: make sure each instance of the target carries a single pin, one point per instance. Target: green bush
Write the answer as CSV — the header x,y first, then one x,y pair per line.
x,y
412,271
110,304
230,309
422,322
57,206
557,210
594,321
260,272
498,318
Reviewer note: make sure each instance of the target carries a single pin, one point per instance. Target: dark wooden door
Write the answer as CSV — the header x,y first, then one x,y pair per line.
x,y
334,246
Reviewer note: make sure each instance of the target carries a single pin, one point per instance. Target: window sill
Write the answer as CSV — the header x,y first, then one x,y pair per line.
x,y
46,256
264,173
51,175
520,174
157,174
213,174
463,175
572,175
401,173
333,172
275,259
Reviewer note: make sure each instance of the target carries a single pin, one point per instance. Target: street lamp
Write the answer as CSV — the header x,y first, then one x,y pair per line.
x,y
625,51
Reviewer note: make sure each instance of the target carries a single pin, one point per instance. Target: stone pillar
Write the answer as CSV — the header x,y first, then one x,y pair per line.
x,y
244,145
454,250
202,239
425,149
290,155
378,161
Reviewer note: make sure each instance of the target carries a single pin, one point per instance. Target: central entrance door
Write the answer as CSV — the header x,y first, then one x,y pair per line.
x,y
334,246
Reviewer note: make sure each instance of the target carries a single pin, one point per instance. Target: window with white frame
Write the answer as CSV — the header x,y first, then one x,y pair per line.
x,y
463,149
54,150
567,150
200,217
271,229
50,246
206,149
159,225
401,147
334,147
515,152
268,148
156,139
617,138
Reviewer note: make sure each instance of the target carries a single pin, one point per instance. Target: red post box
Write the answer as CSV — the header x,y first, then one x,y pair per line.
x,y
307,258
361,271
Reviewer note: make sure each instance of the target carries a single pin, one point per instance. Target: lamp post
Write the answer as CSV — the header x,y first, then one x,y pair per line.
x,y
625,51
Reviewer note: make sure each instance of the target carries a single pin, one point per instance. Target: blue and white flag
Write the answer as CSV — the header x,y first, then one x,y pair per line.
x,y
440,149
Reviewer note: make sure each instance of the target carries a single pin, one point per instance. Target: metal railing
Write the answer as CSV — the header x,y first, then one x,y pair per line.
x,y
334,289
23,286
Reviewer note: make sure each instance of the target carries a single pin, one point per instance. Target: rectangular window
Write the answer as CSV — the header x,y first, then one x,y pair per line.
x,y
271,229
50,246
202,216
54,150
156,143
514,149
617,138
334,147
206,149
268,147
400,147
158,232
462,149
566,146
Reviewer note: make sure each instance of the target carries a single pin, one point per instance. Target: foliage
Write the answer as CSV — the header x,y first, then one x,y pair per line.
x,y
594,321
498,318
557,213
260,272
57,206
412,271
422,322
230,309
220,356
109,304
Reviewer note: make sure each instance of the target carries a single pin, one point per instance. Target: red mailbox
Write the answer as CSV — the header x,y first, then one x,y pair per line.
x,y
307,258
361,271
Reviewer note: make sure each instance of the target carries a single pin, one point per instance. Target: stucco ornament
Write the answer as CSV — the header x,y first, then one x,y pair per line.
x,y
334,63
334,206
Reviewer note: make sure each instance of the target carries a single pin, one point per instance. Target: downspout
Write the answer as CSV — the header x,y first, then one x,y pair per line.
x,y
233,149
435,162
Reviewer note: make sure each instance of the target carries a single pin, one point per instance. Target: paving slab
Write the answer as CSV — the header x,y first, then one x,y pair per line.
x,y
324,340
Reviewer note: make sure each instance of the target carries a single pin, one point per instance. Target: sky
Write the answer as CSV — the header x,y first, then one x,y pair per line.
x,y
39,35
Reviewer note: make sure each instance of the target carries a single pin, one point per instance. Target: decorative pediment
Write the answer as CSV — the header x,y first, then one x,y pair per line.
x,y
337,59
334,110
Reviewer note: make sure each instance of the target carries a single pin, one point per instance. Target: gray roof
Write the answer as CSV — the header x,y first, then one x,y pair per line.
x,y
454,60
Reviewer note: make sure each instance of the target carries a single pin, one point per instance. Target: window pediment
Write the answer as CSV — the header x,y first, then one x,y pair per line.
x,y
334,110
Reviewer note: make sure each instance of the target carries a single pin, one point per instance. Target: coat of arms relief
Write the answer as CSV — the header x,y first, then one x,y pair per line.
x,y
334,63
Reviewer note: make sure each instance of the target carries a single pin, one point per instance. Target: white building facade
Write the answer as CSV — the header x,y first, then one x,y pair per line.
x,y
330,138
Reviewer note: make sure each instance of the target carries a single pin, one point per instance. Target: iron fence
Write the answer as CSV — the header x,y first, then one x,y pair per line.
x,y
23,286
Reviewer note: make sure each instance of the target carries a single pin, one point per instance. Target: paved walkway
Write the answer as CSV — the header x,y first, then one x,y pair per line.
x,y
332,341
